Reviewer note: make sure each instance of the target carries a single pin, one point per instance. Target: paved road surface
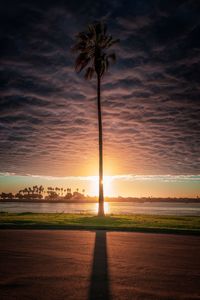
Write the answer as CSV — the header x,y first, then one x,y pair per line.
x,y
43,264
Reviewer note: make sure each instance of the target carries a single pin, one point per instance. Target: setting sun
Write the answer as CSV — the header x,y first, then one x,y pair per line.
x,y
107,184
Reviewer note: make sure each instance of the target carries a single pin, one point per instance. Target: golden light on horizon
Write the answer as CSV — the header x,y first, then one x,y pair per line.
x,y
107,184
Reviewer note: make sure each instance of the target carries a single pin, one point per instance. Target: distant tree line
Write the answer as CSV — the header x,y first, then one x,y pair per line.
x,y
39,192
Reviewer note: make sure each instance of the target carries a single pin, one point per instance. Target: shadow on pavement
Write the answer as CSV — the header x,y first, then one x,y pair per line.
x,y
99,286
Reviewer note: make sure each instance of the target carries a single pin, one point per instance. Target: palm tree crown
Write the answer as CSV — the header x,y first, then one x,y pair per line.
x,y
93,46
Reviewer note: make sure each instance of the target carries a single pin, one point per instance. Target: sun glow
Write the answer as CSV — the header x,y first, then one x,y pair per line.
x,y
107,186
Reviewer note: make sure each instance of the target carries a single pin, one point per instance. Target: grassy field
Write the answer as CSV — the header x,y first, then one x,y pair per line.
x,y
142,223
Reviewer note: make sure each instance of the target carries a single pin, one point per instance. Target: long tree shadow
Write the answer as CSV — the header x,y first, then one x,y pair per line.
x,y
99,286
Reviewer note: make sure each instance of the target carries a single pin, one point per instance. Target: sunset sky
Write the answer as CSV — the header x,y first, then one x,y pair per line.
x,y
150,98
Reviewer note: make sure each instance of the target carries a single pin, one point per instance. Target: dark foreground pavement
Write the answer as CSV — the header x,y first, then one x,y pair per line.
x,y
44,264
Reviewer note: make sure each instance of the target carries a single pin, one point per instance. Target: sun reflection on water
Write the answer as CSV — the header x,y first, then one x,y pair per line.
x,y
106,208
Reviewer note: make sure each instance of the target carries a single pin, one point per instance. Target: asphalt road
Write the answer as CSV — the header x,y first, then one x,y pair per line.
x,y
44,264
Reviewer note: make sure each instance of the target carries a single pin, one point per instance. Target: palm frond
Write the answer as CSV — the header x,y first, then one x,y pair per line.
x,y
81,62
78,47
89,73
112,42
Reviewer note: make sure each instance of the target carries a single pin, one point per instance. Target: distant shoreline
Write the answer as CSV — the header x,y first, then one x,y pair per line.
x,y
95,200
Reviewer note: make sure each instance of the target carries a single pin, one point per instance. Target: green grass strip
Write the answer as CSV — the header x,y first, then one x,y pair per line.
x,y
140,223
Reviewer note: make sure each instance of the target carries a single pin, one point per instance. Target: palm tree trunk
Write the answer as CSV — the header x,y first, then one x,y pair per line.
x,y
101,197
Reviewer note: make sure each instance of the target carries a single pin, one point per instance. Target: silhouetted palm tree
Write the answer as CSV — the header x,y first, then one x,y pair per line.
x,y
26,191
92,46
29,191
41,189
68,190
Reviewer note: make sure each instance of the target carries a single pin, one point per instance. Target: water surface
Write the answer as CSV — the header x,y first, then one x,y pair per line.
x,y
150,208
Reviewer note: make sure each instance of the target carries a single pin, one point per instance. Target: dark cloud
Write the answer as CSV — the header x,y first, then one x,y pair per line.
x,y
48,119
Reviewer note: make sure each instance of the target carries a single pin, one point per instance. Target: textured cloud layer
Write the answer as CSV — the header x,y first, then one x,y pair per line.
x,y
151,107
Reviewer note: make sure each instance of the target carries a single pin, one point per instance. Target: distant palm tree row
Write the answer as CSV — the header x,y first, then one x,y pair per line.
x,y
39,192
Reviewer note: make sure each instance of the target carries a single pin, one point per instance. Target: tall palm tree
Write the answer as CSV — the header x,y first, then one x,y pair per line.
x,y
92,46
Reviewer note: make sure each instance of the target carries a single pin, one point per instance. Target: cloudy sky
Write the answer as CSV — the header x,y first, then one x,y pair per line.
x,y
151,107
